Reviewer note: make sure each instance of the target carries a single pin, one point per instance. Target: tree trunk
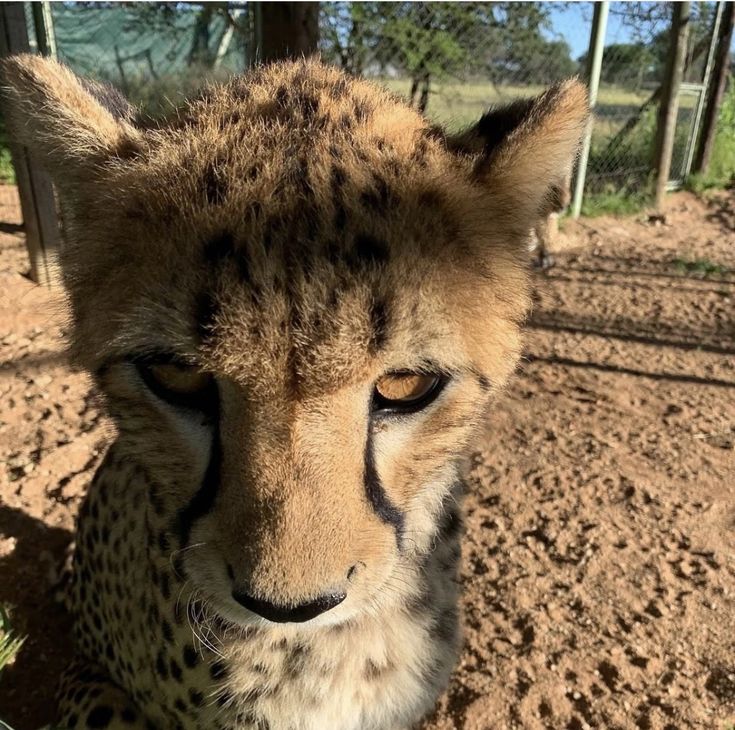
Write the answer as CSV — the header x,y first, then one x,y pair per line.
x,y
289,30
199,52
424,101
666,127
716,91
632,122
414,90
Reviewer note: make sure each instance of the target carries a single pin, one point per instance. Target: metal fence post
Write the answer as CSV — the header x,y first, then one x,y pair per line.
x,y
597,46
669,109
718,80
705,86
37,201
43,25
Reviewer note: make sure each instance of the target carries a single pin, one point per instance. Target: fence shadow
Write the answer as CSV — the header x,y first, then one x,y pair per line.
x,y
621,369
649,286
635,268
628,330
632,273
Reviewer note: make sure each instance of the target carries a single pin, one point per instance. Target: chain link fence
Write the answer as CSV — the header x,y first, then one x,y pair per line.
x,y
453,60
450,60
157,54
631,85
633,68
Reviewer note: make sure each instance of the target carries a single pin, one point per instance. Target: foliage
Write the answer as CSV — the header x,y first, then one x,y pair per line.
x,y
7,172
700,267
721,172
503,42
629,64
451,60
615,202
9,643
642,59
518,47
627,169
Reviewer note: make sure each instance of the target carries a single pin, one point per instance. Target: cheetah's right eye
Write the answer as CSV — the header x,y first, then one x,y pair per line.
x,y
406,392
180,384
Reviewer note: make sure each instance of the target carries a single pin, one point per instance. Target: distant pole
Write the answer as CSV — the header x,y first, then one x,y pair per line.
x,y
702,100
669,109
43,25
288,29
716,91
594,69
256,29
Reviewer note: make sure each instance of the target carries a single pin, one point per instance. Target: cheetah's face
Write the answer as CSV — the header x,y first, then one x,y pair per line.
x,y
298,298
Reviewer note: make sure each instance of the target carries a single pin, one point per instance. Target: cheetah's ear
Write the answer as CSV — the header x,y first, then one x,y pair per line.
x,y
75,125
525,151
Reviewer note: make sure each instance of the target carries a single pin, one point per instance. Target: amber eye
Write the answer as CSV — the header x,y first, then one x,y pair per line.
x,y
180,384
406,392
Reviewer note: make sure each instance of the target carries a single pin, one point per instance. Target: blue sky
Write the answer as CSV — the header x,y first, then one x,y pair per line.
x,y
573,22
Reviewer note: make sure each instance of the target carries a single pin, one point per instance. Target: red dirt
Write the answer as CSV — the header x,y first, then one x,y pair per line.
x,y
599,578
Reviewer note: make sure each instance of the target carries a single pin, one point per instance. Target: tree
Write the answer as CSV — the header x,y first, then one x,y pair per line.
x,y
429,41
628,64
501,42
348,32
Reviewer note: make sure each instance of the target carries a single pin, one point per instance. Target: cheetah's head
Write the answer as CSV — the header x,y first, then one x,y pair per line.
x,y
298,297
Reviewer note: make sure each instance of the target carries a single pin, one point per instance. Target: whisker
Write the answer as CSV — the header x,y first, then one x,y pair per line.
x,y
179,551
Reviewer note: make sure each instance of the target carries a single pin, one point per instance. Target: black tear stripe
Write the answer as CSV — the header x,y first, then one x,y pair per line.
x,y
203,501
384,508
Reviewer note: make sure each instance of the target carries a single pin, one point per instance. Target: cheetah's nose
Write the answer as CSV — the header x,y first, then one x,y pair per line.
x,y
289,614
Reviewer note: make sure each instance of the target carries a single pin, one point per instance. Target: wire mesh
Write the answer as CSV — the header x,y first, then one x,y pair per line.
x,y
633,68
454,60
157,54
450,60
633,71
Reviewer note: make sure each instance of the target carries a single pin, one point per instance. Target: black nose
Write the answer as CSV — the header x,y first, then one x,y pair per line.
x,y
289,614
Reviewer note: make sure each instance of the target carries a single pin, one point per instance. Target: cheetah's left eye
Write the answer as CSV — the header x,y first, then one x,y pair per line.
x,y
180,384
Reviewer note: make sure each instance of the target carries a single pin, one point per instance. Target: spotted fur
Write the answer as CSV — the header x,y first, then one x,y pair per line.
x,y
297,233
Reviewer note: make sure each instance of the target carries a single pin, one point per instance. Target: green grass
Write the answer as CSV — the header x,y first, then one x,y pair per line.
x,y
721,172
617,202
458,103
700,267
9,643
7,173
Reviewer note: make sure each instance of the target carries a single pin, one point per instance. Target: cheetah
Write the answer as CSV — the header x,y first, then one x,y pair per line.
x,y
298,298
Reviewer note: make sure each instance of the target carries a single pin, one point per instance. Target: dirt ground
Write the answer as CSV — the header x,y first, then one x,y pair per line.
x,y
599,565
